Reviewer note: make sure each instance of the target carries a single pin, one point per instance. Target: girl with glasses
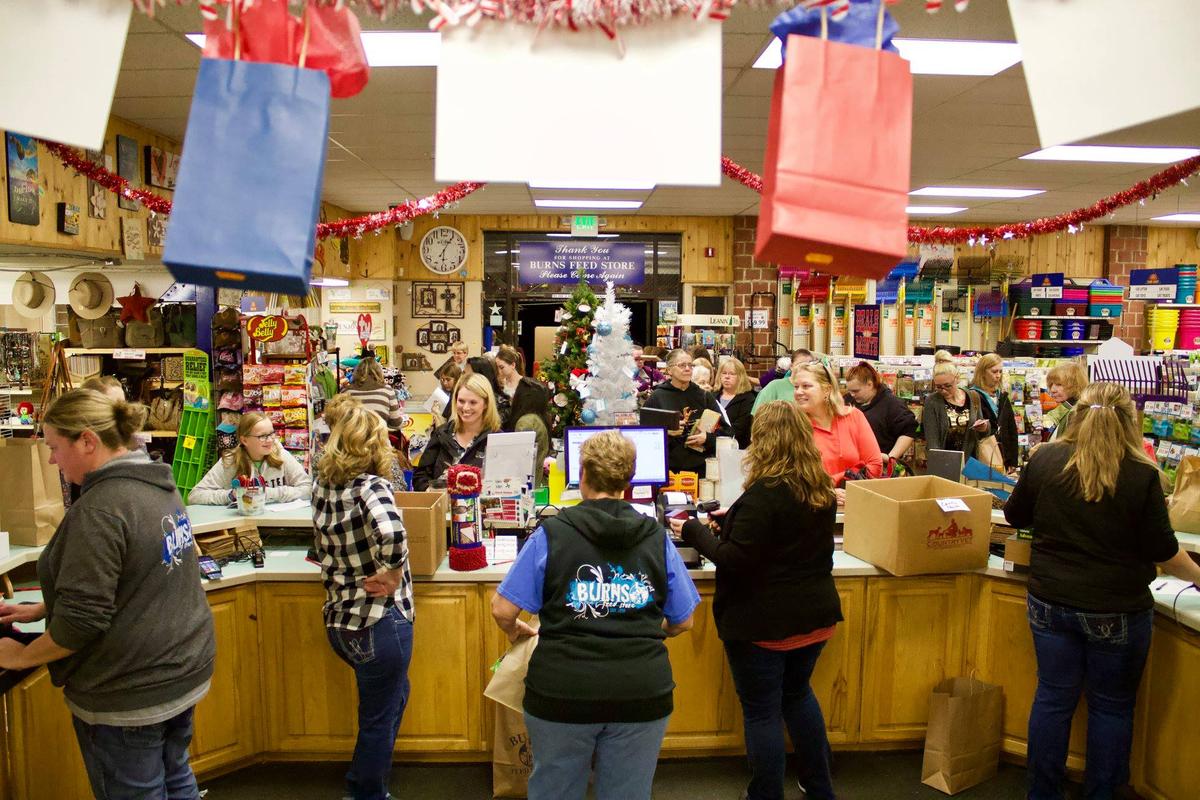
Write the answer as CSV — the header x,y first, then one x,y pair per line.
x,y
258,454
951,416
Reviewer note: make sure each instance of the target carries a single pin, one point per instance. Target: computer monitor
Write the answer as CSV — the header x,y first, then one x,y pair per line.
x,y
651,443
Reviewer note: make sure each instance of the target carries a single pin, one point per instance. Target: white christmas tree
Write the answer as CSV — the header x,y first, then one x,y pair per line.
x,y
609,388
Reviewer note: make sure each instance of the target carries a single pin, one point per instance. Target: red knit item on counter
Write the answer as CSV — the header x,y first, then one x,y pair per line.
x,y
468,557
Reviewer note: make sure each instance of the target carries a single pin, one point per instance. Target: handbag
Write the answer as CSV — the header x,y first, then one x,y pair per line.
x,y
146,334
179,323
987,452
102,332
260,188
165,410
834,193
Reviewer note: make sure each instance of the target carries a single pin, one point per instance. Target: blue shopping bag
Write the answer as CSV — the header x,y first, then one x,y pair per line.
x,y
249,187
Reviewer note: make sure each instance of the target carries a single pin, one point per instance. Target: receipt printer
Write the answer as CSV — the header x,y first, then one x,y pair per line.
x,y
676,505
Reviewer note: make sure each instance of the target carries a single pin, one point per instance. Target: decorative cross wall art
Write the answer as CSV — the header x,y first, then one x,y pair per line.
x,y
437,299
437,335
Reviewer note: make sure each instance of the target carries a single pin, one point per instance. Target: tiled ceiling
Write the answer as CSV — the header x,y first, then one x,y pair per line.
x,y
967,131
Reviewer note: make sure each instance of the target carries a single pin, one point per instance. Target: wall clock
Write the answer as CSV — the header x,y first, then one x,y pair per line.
x,y
443,250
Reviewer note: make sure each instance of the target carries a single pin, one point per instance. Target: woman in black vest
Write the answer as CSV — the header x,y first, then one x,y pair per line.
x,y
609,587
775,603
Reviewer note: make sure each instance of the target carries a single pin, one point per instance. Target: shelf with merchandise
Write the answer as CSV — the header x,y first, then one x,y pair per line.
x,y
108,351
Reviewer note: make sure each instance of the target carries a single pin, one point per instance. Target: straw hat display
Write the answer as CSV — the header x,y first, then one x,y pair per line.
x,y
91,295
33,295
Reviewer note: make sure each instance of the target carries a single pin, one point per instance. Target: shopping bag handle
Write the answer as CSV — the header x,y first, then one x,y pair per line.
x,y
878,25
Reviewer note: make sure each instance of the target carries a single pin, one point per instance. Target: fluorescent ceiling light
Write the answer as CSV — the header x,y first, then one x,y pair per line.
x,y
933,56
1192,217
387,48
972,191
598,185
916,211
329,282
1118,155
586,203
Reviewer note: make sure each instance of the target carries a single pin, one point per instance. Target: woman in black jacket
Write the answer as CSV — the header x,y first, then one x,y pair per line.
x,y
462,440
1100,525
997,409
736,398
894,426
775,603
687,451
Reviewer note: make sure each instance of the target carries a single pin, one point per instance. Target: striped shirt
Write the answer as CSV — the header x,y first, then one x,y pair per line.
x,y
359,532
383,402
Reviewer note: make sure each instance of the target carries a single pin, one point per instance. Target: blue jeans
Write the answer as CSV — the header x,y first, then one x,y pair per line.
x,y
775,692
626,755
1102,654
144,762
379,655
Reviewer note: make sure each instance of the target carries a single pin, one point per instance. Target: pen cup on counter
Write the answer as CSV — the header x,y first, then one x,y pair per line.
x,y
251,500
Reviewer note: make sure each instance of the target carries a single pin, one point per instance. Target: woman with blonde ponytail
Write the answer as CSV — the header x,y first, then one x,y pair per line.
x,y
1100,526
129,634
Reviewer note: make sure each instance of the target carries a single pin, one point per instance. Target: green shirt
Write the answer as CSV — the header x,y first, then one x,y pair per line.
x,y
778,389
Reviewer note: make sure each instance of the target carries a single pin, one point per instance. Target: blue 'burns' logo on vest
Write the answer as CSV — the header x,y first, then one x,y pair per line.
x,y
177,538
593,595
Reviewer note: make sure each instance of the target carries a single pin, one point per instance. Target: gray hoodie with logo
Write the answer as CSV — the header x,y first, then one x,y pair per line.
x,y
122,588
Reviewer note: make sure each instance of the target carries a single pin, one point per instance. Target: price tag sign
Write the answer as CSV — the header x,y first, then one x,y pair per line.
x,y
189,443
129,354
1153,284
1047,286
949,504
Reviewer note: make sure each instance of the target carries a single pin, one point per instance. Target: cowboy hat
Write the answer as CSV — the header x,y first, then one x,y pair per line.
x,y
33,295
91,295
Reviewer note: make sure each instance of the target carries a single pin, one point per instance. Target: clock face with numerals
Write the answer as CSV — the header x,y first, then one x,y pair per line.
x,y
443,250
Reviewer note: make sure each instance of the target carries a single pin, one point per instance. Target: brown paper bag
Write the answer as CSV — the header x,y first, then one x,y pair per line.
x,y
988,452
33,504
1184,503
962,742
512,756
507,686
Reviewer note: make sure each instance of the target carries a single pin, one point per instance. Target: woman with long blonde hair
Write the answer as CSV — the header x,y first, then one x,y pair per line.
x,y
736,398
368,611
775,603
842,433
995,406
951,417
1100,525
258,455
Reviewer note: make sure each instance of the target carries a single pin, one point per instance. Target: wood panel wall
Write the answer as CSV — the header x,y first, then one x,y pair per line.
x,y
1079,255
59,183
698,234
1166,247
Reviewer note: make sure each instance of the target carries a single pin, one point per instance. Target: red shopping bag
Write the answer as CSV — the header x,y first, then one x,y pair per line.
x,y
335,46
836,169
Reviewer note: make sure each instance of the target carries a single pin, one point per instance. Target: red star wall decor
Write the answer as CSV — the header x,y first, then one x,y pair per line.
x,y
135,306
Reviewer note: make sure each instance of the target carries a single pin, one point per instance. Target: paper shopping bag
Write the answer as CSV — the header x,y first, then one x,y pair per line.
x,y
249,186
836,168
34,503
507,686
77,47
1184,504
512,755
1072,82
962,742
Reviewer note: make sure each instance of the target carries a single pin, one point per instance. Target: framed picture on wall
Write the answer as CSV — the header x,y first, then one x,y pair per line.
x,y
162,168
437,299
22,168
129,168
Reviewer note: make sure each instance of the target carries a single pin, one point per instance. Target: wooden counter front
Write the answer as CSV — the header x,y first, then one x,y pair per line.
x,y
280,694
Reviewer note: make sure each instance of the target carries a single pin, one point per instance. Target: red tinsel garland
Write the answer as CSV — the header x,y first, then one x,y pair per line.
x,y
1070,220
411,209
351,226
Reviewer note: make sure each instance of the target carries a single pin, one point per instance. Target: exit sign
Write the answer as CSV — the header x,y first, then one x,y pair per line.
x,y
585,225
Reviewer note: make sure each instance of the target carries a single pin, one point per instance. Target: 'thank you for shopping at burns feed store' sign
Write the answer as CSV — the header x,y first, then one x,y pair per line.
x,y
623,263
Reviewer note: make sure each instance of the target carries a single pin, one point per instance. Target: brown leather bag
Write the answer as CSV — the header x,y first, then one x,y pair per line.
x,y
100,332
146,334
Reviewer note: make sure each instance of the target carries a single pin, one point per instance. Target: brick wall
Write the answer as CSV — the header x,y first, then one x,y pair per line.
x,y
1124,251
750,276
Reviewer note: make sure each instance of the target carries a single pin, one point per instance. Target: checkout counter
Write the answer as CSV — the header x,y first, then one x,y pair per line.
x,y
279,694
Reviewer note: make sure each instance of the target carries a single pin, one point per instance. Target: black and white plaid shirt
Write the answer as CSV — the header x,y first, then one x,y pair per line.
x,y
359,531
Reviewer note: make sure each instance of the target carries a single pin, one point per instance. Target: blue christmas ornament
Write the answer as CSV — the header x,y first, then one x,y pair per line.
x,y
604,328
588,416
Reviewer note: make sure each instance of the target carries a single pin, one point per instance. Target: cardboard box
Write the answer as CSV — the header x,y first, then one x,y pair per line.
x,y
897,524
1017,551
426,526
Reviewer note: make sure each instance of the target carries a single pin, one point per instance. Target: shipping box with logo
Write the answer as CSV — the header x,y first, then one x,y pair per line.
x,y
425,525
918,525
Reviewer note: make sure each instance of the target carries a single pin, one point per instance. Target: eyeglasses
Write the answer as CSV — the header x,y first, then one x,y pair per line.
x,y
264,437
944,387
682,366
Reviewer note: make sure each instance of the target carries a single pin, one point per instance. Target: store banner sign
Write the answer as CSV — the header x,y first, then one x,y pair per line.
x,y
866,331
623,263
1153,284
1047,286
